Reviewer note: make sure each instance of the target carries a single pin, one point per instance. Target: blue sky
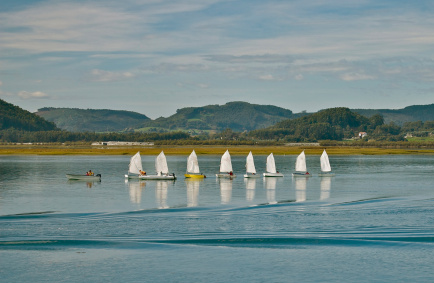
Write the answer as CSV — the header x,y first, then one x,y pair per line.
x,y
156,56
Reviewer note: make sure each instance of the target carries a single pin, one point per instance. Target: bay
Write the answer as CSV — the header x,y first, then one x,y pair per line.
x,y
373,221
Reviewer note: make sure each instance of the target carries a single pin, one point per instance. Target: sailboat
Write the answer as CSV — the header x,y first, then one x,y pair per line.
x,y
226,167
193,167
300,166
250,167
135,167
271,167
326,169
161,168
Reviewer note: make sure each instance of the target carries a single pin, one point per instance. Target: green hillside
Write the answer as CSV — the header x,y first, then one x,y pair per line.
x,y
238,116
92,120
329,124
12,116
400,116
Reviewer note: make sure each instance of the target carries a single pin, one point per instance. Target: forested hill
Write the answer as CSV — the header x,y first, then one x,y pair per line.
x,y
12,116
238,116
92,120
400,116
329,124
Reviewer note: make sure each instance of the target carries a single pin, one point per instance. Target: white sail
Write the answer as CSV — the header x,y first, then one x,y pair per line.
x,y
300,164
271,165
161,164
193,164
325,163
250,164
226,163
135,164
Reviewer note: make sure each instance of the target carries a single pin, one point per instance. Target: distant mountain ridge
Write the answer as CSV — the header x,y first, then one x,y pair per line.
x,y
92,120
400,116
238,116
13,117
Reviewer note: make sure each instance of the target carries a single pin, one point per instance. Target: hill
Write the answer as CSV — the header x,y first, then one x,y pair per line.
x,y
328,124
400,116
238,116
12,116
92,120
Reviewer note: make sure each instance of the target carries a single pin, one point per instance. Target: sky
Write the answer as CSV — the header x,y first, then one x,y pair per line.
x,y
154,57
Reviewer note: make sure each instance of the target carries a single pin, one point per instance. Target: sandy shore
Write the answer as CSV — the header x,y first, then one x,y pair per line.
x,y
200,150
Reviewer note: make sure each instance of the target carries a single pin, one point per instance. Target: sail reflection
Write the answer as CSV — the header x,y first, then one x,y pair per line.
x,y
225,190
326,183
135,190
250,188
270,186
161,194
193,191
300,188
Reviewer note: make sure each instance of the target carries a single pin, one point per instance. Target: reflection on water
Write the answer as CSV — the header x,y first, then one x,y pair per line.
x,y
300,188
193,191
161,194
135,189
88,184
326,183
250,188
225,190
270,186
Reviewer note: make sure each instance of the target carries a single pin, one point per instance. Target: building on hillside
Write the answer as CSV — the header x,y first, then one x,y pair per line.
x,y
362,135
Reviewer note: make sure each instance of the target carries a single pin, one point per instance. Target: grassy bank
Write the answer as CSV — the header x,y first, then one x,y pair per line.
x,y
200,150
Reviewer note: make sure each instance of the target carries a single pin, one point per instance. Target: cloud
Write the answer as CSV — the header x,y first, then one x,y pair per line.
x,y
33,95
97,75
247,59
355,77
1,83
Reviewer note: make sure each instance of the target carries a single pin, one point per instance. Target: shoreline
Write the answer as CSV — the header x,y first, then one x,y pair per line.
x,y
202,150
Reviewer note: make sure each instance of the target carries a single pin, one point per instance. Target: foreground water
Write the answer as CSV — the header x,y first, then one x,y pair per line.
x,y
372,222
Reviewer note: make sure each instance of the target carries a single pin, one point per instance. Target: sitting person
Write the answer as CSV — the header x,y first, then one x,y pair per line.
x,y
142,173
89,173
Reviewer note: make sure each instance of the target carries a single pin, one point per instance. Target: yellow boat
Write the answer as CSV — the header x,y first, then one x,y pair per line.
x,y
193,167
194,176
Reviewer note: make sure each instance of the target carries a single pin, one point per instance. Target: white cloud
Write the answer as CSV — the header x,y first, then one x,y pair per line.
x,y
31,95
355,77
267,77
97,75
299,77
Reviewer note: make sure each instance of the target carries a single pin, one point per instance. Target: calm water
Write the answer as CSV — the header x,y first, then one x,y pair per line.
x,y
372,222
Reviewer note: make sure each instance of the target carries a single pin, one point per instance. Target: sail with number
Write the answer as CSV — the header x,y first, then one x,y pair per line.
x,y
193,164
135,164
226,163
250,164
161,164
271,165
325,163
300,164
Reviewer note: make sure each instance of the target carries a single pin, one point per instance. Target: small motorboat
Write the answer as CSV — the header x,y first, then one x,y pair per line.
x,y
81,177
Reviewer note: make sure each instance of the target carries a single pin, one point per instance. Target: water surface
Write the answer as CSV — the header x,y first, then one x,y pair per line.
x,y
373,221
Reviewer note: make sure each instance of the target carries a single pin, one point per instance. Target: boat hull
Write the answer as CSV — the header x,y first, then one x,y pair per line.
x,y
157,177
194,176
131,176
268,174
225,175
250,175
301,174
79,177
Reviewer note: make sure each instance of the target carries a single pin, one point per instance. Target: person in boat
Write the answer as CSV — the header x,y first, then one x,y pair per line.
x,y
142,173
89,173
231,173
